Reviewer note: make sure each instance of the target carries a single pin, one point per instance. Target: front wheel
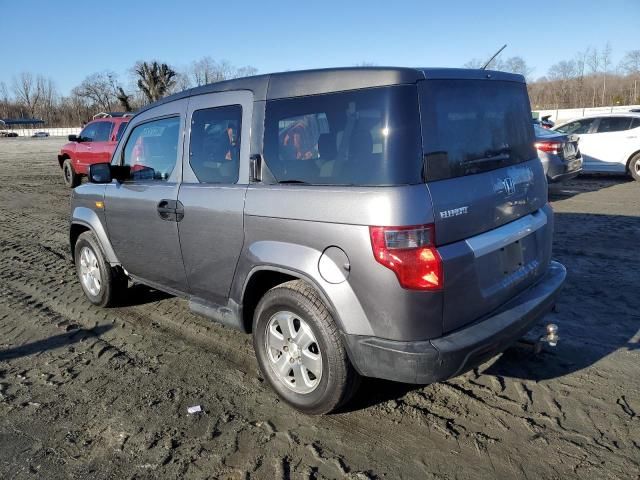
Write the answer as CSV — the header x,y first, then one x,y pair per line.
x,y
299,350
102,284
71,178
634,167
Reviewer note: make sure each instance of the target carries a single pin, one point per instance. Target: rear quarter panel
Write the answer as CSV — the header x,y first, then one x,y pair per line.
x,y
289,227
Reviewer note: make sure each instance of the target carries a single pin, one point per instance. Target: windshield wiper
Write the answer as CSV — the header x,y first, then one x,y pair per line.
x,y
490,156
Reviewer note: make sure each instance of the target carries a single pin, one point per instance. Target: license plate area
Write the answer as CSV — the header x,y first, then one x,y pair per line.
x,y
511,258
570,150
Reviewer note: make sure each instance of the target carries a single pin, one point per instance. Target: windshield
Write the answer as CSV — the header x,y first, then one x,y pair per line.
x,y
471,126
361,137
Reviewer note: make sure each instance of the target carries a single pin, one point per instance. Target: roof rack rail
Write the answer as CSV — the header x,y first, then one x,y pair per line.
x,y
128,114
102,115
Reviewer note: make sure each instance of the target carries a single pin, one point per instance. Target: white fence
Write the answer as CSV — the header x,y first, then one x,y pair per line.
x,y
565,114
54,132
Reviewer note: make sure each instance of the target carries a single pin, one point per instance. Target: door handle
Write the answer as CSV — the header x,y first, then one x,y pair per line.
x,y
167,210
171,210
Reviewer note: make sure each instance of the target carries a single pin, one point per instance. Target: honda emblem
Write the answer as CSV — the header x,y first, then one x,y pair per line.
x,y
509,187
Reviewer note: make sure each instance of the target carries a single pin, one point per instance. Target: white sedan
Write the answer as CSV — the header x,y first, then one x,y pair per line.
x,y
608,143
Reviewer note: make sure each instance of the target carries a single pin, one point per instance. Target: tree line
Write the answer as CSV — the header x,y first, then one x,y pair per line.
x,y
589,79
36,96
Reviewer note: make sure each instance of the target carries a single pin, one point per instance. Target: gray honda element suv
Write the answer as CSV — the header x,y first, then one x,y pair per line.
x,y
385,222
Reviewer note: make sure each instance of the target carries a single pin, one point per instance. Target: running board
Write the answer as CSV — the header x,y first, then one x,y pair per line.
x,y
226,315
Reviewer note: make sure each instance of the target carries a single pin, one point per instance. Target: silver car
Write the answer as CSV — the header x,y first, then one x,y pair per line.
x,y
385,222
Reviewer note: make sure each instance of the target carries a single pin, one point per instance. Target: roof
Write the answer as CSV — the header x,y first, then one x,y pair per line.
x,y
313,82
21,121
604,114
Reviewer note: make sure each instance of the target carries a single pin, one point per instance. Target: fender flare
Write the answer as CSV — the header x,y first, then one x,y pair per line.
x,y
88,218
302,262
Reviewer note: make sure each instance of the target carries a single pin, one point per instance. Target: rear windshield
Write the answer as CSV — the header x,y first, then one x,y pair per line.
x,y
362,137
471,126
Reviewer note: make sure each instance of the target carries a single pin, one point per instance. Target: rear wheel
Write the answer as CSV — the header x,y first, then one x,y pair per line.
x,y
299,350
71,178
634,167
102,284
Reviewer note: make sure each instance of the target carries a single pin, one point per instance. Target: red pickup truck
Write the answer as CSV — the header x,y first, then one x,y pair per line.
x,y
95,144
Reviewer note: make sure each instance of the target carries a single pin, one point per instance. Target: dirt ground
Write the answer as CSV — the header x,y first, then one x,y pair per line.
x,y
93,393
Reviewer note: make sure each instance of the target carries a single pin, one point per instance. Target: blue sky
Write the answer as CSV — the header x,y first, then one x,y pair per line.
x,y
68,40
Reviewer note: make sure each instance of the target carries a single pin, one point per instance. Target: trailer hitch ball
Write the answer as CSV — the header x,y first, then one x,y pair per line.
x,y
552,336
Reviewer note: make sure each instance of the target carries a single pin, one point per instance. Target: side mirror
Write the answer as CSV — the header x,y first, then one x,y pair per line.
x,y
74,138
100,173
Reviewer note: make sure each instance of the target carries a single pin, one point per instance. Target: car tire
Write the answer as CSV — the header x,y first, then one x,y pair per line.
x,y
102,284
310,370
634,167
71,178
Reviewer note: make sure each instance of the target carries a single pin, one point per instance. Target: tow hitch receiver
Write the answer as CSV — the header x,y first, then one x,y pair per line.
x,y
551,339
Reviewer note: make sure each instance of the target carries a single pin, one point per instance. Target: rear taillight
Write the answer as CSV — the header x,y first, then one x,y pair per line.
x,y
549,147
410,253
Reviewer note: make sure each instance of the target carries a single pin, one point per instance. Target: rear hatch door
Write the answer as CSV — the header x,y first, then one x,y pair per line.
x,y
488,191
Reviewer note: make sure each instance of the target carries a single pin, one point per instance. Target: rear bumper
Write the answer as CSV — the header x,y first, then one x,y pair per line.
x,y
429,361
562,171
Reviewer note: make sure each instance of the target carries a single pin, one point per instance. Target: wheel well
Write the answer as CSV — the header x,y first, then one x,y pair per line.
x,y
259,284
62,158
631,158
75,231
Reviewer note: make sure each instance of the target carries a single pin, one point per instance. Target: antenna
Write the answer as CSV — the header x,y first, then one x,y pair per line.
x,y
494,56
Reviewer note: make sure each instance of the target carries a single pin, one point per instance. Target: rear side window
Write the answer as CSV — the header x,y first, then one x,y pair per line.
x,y
152,149
362,137
635,123
471,126
103,131
578,127
214,149
121,130
614,124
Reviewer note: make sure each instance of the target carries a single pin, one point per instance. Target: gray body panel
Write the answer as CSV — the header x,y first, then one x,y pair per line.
x,y
147,246
211,232
85,213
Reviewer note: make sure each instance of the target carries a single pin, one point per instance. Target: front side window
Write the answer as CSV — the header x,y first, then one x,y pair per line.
x,y
214,148
579,127
103,131
614,124
151,151
88,134
361,137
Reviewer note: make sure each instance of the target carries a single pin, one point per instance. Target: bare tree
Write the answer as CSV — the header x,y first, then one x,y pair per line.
x,y
99,88
207,70
606,62
155,79
630,63
26,91
517,65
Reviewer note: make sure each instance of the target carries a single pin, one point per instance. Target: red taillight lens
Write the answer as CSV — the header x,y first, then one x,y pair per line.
x,y
410,253
549,147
